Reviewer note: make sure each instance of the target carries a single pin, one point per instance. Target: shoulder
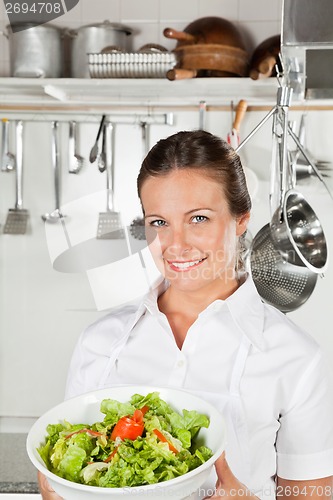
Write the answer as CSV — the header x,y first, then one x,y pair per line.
x,y
280,328
111,327
269,329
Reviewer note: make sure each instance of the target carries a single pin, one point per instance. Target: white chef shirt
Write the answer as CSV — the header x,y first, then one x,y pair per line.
x,y
286,391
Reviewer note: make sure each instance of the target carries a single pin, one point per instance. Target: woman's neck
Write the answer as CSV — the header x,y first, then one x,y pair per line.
x,y
192,303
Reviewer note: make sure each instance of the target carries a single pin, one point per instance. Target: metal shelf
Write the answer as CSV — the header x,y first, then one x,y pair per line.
x,y
29,94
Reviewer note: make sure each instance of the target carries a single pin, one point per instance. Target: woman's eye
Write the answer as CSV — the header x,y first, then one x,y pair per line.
x,y
157,223
199,218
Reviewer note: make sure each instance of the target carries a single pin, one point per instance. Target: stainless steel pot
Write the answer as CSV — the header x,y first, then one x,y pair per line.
x,y
36,51
94,38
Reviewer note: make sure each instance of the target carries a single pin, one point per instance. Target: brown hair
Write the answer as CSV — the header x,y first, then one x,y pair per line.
x,y
205,152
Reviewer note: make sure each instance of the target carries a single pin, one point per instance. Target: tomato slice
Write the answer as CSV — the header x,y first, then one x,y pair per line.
x,y
144,409
129,428
138,416
162,438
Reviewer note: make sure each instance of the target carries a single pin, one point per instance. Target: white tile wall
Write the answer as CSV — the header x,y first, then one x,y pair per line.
x,y
227,9
257,19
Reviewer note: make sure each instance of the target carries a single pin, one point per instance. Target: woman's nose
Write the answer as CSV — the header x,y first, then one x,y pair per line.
x,y
178,241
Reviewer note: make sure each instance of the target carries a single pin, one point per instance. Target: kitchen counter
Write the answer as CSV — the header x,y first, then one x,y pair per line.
x,y
17,474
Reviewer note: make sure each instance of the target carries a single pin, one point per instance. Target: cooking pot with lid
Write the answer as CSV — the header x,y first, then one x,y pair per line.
x,y
36,51
93,38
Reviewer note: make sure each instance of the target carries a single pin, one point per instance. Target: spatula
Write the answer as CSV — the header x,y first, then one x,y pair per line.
x,y
17,218
109,222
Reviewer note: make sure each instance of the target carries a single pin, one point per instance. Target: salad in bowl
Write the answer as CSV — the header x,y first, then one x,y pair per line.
x,y
128,440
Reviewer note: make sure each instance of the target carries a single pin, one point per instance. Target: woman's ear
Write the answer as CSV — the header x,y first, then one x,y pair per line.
x,y
241,223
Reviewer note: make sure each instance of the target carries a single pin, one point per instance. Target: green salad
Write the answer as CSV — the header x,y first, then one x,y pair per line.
x,y
143,441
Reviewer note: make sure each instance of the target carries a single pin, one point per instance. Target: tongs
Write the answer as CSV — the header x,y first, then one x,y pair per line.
x,y
94,150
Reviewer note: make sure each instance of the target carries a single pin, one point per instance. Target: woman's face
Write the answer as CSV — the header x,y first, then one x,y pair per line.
x,y
190,231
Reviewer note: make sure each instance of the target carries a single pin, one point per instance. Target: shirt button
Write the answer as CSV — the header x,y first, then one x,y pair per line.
x,y
181,363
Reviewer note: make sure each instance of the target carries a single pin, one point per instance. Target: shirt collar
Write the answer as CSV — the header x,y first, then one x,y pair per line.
x,y
247,311
245,307
150,300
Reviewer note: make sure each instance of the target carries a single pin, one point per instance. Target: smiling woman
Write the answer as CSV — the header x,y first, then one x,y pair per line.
x,y
206,330
196,207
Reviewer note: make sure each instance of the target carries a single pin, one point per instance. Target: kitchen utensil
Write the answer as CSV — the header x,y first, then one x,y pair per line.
x,y
7,158
233,136
300,167
152,48
202,115
30,46
212,44
279,282
137,226
94,38
208,60
94,149
298,234
295,228
264,58
131,65
109,223
304,171
310,161
233,139
207,30
102,157
56,215
17,218
76,161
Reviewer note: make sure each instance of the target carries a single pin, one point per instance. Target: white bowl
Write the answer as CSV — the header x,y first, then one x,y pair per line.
x,y
86,408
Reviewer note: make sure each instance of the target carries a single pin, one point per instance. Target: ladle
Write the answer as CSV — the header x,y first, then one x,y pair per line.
x,y
76,161
56,215
7,158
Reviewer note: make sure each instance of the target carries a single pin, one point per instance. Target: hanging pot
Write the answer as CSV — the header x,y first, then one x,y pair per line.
x,y
35,51
94,38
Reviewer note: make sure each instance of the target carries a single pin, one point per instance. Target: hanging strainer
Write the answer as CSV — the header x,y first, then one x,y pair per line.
x,y
278,279
280,283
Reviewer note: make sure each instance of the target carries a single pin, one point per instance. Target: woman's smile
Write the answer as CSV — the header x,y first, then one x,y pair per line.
x,y
185,265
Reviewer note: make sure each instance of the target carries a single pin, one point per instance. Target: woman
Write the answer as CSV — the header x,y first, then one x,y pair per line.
x,y
206,330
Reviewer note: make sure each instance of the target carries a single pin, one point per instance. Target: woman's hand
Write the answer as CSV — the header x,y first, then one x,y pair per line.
x,y
227,484
45,489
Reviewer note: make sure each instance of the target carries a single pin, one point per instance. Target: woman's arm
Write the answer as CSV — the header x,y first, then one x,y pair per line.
x,y
316,489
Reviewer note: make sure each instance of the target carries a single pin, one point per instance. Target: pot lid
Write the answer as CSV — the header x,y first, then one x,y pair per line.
x,y
25,25
108,25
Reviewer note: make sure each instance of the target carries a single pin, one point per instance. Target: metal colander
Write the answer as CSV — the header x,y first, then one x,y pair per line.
x,y
280,283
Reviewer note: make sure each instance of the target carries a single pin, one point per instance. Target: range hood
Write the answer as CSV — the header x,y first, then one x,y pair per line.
x,y
307,47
